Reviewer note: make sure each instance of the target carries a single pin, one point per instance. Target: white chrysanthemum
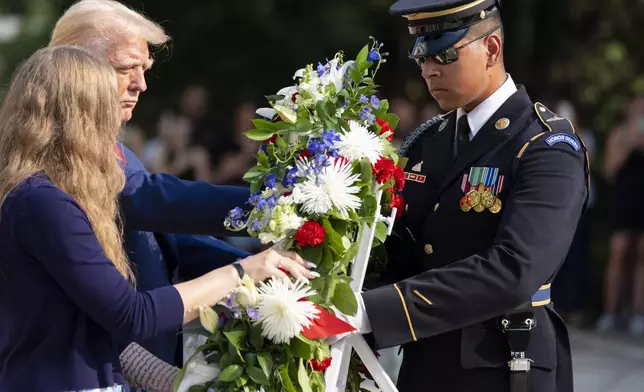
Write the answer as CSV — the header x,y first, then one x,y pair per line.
x,y
281,313
359,143
334,187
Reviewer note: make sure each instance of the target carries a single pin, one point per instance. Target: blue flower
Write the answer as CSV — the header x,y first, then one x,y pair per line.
x,y
271,201
375,102
256,225
269,180
321,161
329,137
254,199
235,214
367,115
334,152
315,147
261,203
230,301
236,314
290,178
321,70
222,321
373,56
210,389
363,99
252,313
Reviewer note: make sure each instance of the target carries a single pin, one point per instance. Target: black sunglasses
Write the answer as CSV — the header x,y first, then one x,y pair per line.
x,y
450,55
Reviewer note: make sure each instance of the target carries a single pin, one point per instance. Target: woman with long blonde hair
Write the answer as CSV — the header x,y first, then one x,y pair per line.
x,y
66,287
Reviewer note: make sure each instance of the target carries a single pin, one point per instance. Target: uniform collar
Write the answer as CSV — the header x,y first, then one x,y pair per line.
x,y
480,114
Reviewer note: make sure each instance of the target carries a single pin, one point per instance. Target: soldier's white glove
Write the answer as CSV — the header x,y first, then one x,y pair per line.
x,y
360,321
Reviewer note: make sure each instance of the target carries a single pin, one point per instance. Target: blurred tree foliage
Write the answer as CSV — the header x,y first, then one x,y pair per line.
x,y
585,50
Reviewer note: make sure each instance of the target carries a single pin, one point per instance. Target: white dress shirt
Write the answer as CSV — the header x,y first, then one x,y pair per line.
x,y
480,114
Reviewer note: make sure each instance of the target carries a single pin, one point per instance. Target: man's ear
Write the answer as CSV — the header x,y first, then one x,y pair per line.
x,y
494,47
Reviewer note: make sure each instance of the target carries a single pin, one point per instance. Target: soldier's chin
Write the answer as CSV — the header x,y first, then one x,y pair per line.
x,y
446,104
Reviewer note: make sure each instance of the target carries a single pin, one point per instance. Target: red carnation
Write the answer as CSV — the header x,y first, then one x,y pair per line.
x,y
304,153
385,127
399,176
320,366
398,202
384,170
310,233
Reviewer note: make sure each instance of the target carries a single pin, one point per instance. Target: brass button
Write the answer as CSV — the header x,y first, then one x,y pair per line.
x,y
436,206
429,249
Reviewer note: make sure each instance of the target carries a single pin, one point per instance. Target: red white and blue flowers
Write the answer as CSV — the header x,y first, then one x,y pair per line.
x,y
326,150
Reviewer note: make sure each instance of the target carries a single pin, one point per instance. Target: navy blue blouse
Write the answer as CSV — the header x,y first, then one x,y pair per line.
x,y
63,304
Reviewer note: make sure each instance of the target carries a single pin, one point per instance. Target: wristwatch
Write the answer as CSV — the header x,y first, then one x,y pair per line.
x,y
240,269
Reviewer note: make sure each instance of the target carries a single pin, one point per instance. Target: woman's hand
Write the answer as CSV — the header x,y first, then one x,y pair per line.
x,y
271,262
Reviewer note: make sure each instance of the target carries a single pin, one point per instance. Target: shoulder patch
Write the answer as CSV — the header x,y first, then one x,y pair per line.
x,y
552,121
563,138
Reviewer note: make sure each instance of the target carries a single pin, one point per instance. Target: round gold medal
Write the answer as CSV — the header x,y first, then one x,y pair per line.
x,y
465,207
487,199
474,197
496,207
479,208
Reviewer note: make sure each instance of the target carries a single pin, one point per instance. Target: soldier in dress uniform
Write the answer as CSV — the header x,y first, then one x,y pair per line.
x,y
495,188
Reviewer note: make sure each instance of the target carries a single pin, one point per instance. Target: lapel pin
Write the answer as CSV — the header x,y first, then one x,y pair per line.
x,y
502,123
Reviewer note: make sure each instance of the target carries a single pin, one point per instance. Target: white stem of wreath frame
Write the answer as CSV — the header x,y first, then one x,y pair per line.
x,y
336,375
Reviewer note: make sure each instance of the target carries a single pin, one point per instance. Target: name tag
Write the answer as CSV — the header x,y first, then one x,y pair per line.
x,y
415,177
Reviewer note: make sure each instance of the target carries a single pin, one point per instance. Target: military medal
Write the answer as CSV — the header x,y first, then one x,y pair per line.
x,y
481,187
496,207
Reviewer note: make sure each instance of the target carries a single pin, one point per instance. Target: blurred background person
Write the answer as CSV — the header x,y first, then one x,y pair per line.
x,y
624,170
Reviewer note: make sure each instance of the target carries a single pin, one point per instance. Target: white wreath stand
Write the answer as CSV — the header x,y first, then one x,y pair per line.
x,y
336,375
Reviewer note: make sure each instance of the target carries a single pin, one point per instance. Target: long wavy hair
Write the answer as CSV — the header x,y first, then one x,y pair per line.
x,y
62,116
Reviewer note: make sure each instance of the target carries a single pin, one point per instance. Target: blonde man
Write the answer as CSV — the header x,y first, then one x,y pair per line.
x,y
152,204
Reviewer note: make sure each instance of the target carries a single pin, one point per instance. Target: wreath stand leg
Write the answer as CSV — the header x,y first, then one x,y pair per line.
x,y
336,375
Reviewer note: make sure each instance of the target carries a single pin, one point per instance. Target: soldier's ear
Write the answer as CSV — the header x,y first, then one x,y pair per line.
x,y
494,47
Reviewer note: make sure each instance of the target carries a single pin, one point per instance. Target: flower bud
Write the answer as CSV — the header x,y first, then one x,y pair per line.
x,y
208,318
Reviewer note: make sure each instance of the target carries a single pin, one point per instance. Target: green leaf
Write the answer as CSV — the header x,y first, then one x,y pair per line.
x,y
225,361
263,160
275,97
344,299
366,172
346,242
351,253
230,373
255,172
279,141
384,105
236,338
256,374
312,253
301,348
286,380
327,258
303,378
259,135
255,186
266,363
361,58
381,231
261,124
368,207
402,162
241,381
256,338
333,238
251,358
392,119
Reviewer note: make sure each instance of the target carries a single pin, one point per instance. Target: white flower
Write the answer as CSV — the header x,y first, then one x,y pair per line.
x,y
334,187
335,75
359,143
281,313
247,294
208,318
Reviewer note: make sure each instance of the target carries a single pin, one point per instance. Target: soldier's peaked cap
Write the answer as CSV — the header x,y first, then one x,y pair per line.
x,y
439,24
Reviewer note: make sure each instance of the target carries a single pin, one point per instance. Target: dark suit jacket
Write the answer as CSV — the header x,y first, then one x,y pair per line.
x,y
154,208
